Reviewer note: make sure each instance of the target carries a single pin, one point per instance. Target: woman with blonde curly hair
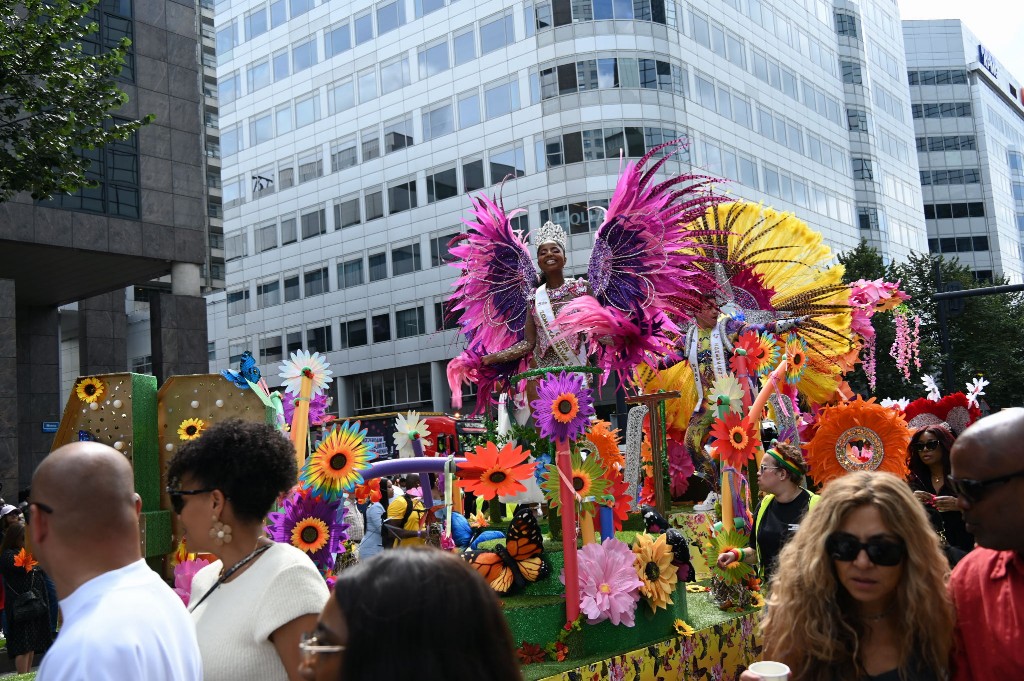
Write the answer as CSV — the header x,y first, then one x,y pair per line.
x,y
860,593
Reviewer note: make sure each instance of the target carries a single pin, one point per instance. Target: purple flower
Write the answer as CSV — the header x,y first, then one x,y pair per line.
x,y
563,406
311,524
317,408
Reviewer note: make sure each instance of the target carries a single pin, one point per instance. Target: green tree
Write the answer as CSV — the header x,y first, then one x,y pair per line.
x,y
55,99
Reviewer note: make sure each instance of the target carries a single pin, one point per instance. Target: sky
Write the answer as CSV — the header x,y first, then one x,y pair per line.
x,y
999,24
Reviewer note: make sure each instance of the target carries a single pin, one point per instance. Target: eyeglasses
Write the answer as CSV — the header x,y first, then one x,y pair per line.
x,y
41,506
177,496
974,490
925,446
310,647
845,547
765,467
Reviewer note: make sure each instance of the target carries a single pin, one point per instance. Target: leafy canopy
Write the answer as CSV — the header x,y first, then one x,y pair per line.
x,y
55,100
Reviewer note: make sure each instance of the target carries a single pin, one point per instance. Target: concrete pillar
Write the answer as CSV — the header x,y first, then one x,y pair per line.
x,y
344,405
103,334
178,335
38,361
8,391
439,391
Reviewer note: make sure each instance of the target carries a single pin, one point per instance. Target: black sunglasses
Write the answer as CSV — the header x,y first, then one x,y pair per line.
x,y
925,446
974,490
42,507
846,547
178,496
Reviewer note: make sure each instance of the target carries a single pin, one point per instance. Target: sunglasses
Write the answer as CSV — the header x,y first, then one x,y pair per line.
x,y
845,547
178,496
42,507
310,647
974,490
925,446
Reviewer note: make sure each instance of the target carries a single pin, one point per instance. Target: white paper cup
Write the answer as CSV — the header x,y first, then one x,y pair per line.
x,y
770,671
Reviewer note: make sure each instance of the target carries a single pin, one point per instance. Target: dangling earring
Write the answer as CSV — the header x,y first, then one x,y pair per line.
x,y
220,533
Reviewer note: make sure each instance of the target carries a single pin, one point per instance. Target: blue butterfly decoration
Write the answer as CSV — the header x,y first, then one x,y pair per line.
x,y
247,371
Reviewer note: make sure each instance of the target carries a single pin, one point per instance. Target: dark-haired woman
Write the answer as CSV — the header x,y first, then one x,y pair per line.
x,y
25,638
928,461
371,544
786,502
377,622
252,604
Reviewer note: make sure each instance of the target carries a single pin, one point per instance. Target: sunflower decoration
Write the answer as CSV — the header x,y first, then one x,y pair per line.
x,y
191,429
737,571
409,429
606,439
91,390
338,462
756,600
563,406
796,358
489,472
682,628
725,395
309,365
311,524
735,441
858,435
588,482
653,564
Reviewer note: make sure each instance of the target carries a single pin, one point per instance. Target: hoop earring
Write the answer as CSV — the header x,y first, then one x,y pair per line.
x,y
220,532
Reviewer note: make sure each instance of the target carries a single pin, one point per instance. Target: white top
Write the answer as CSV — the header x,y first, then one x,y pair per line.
x,y
124,624
235,623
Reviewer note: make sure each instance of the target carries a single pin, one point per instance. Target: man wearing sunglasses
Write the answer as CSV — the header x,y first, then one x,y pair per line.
x,y
121,621
988,585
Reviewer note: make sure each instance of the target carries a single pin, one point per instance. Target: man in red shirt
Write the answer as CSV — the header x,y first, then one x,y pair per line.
x,y
987,586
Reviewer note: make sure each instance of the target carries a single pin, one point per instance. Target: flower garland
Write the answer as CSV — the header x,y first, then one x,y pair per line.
x,y
557,651
906,348
869,363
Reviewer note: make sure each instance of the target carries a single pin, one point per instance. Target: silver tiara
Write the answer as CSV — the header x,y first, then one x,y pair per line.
x,y
550,233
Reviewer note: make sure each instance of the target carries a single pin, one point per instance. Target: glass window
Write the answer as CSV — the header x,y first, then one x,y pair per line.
x,y
442,185
586,74
496,33
304,55
381,327
378,266
291,288
438,121
737,51
501,98
270,349
227,38
465,46
229,89
410,323
706,92
337,40
473,175
300,7
851,73
572,146
862,169
433,59
398,134
364,28
353,333
401,196
370,139
238,302
268,294
374,203
367,85
439,254
341,96
261,128
424,7
634,142
231,140
394,75
593,146
283,119
258,75
509,161
748,172
346,213
278,13
405,259
289,231
315,282
390,15
280,60
343,154
701,29
307,111
607,73
314,223
469,109
319,339
266,237
350,273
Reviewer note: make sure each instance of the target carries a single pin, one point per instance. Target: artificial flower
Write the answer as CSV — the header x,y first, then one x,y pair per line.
x,y
530,653
606,439
796,358
191,429
338,462
735,441
618,492
653,564
898,405
587,479
309,365
680,468
478,520
754,354
756,600
609,586
311,524
408,429
90,389
682,628
25,560
694,588
737,571
559,651
932,388
183,574
368,492
726,395
975,389
489,472
563,406
317,408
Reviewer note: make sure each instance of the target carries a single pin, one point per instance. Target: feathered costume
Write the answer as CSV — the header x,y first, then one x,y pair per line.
x,y
858,435
642,278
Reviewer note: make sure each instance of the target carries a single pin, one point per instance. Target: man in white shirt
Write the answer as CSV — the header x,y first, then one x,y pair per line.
x,y
121,621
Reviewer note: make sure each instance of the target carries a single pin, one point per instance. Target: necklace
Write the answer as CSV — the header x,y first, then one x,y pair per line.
x,y
880,616
225,575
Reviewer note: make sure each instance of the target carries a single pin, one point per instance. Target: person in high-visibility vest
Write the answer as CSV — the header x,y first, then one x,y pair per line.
x,y
786,502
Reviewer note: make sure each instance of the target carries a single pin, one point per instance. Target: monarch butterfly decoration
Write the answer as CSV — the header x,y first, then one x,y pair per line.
x,y
510,567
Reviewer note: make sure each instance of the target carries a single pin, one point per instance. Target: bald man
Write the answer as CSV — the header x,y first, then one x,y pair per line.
x,y
121,621
987,586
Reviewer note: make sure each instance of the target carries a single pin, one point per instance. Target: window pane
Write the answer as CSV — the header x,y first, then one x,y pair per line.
x,y
405,259
291,288
381,328
465,47
378,267
390,16
469,109
473,175
394,76
364,28
442,185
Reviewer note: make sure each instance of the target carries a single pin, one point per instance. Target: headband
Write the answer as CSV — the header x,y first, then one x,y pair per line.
x,y
785,464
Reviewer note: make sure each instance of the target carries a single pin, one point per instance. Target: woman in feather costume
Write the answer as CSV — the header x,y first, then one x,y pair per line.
x,y
641,284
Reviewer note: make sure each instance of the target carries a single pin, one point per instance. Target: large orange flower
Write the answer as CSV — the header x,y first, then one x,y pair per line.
x,y
489,472
606,439
735,441
25,560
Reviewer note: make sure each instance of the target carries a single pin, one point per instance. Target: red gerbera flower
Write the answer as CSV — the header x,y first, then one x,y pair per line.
x,y
530,653
735,440
489,472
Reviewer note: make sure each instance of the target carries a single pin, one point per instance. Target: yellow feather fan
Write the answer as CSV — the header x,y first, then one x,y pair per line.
x,y
677,377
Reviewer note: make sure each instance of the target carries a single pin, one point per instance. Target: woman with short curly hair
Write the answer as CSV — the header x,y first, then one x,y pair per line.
x,y
252,605
860,591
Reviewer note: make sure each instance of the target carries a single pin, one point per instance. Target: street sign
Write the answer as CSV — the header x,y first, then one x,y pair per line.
x,y
50,426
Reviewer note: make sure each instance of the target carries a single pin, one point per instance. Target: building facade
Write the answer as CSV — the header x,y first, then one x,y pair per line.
x,y
351,134
969,126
